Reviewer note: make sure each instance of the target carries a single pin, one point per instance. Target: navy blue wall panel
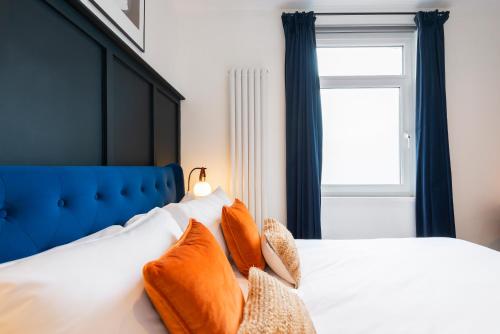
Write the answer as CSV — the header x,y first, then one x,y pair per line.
x,y
50,89
166,113
133,134
72,93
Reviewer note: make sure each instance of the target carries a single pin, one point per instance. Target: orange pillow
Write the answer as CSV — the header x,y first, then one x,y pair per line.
x,y
242,237
193,286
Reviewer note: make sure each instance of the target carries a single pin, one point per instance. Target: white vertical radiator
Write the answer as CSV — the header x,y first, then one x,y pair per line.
x,y
248,106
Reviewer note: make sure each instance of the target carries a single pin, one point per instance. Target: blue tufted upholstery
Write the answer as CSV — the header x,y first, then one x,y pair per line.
x,y
43,207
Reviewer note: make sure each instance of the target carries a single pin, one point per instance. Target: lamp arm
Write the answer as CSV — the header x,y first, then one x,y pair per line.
x,y
191,172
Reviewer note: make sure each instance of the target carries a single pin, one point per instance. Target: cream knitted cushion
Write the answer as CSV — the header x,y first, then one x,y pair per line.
x,y
280,252
272,307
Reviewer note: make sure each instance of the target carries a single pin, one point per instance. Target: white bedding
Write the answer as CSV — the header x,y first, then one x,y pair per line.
x,y
384,286
434,285
91,286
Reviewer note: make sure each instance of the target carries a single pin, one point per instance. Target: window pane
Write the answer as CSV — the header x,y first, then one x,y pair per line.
x,y
349,61
361,136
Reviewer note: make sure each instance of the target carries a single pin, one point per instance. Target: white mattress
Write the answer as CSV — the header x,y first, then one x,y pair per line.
x,y
385,286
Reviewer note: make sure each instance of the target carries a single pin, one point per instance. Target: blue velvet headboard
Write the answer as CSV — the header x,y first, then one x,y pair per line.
x,y
44,207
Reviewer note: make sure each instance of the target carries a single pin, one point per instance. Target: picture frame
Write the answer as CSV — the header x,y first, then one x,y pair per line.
x,y
128,16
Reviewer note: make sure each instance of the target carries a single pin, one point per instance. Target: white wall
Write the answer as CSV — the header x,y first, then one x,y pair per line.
x,y
473,89
194,46
212,43
371,217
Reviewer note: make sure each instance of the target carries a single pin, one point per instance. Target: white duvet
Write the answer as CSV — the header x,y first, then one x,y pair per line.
x,y
384,286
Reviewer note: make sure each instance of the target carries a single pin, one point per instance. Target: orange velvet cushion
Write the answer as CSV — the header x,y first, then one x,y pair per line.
x,y
193,286
242,237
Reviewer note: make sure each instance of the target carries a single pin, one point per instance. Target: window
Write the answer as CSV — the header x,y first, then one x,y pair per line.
x,y
367,95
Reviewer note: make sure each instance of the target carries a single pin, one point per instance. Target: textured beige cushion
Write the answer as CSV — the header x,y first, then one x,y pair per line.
x,y
272,307
280,252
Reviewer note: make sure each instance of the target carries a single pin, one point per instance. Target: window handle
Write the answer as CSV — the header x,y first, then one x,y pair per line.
x,y
408,139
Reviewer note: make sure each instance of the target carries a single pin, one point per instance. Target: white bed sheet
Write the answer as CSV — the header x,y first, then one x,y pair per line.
x,y
384,286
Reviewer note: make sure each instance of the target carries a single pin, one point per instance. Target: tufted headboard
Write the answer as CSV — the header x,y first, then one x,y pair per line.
x,y
44,207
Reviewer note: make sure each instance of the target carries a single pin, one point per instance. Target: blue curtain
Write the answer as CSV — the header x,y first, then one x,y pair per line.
x,y
304,133
434,199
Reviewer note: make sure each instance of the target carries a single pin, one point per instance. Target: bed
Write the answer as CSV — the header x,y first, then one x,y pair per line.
x,y
407,285
434,285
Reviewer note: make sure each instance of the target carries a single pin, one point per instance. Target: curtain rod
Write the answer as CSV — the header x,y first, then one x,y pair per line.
x,y
367,13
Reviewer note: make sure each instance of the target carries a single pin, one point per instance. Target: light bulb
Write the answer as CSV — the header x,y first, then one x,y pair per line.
x,y
202,189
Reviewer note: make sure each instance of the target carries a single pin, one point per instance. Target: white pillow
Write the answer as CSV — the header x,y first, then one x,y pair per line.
x,y
207,210
110,230
134,219
91,287
188,197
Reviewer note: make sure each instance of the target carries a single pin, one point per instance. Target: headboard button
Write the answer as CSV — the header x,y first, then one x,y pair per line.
x,y
143,189
123,192
3,214
61,203
97,196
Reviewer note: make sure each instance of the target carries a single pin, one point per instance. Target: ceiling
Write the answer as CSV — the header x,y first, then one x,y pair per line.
x,y
331,5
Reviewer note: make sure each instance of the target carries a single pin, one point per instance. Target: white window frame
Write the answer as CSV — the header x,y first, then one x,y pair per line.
x,y
406,84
